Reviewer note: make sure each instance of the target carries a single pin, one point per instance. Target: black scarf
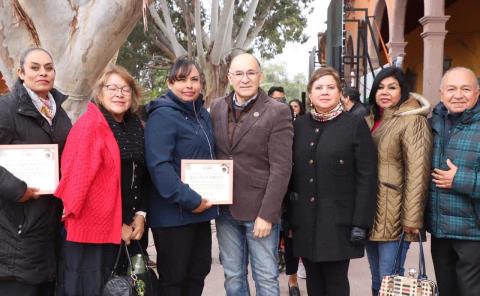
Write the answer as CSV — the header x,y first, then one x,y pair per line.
x,y
129,136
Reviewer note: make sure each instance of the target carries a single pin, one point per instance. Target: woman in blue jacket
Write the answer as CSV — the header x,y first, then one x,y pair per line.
x,y
179,127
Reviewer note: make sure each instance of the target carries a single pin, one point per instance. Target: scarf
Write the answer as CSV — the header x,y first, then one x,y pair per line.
x,y
46,107
326,116
129,136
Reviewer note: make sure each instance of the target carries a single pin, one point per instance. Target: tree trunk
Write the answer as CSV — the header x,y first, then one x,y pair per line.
x,y
216,82
82,37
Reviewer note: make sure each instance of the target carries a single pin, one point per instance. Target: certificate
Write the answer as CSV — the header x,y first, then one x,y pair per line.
x,y
212,179
36,165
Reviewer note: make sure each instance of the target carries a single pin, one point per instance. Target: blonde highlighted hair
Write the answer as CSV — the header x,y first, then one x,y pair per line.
x,y
123,73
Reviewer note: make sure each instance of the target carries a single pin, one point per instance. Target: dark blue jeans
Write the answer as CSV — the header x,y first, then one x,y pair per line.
x,y
381,256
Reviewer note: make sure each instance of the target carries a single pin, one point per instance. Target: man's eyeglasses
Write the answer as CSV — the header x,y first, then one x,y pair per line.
x,y
112,88
239,75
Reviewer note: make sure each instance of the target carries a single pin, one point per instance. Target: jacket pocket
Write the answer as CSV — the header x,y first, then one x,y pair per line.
x,y
392,186
259,182
343,212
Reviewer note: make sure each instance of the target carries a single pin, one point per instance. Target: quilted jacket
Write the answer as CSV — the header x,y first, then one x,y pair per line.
x,y
404,144
454,213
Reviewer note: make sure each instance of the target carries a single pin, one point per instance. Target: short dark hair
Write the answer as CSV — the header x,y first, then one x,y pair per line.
x,y
274,89
181,68
394,72
352,93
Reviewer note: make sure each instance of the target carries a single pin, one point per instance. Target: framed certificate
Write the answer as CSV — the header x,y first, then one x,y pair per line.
x,y
36,165
212,179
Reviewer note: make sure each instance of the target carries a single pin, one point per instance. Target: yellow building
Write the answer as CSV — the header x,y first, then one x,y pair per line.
x,y
424,37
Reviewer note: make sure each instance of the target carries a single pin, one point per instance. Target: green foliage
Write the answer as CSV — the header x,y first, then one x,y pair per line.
x,y
138,56
275,74
286,21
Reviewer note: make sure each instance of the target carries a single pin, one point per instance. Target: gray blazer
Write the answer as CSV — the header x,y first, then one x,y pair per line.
x,y
261,150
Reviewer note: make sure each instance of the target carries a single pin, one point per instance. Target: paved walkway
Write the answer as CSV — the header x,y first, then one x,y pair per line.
x,y
359,273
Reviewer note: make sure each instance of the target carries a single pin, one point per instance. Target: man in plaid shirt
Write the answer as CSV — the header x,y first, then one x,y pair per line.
x,y
453,209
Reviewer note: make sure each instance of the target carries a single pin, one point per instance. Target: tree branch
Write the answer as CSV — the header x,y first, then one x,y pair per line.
x,y
213,20
242,35
221,35
164,46
23,17
188,26
198,35
259,23
167,27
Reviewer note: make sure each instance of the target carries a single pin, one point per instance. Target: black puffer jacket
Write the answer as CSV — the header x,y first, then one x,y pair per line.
x,y
28,231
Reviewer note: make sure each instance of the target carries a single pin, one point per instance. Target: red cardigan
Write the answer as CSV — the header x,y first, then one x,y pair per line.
x,y
90,185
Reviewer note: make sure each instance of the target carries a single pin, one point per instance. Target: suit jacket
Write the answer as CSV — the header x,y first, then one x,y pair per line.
x,y
261,149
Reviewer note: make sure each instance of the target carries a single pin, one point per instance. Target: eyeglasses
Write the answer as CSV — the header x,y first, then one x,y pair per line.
x,y
112,88
239,75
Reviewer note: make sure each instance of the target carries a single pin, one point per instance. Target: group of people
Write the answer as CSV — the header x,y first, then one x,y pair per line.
x,y
341,182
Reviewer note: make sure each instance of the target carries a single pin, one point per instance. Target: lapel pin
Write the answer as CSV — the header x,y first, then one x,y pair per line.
x,y
256,114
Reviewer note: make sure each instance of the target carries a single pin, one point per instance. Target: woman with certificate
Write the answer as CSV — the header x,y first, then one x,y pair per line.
x,y
334,178
30,114
179,127
103,173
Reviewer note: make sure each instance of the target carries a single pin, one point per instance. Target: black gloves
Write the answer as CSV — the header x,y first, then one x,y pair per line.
x,y
358,235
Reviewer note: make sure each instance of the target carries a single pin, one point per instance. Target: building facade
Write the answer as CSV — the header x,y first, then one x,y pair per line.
x,y
424,37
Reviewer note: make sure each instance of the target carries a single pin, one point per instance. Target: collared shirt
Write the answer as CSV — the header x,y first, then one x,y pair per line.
x,y
37,102
237,105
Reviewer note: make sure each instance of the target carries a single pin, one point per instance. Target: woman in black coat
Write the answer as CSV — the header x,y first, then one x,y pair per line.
x,y
332,200
30,114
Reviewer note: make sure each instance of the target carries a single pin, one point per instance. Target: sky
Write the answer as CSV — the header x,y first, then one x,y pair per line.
x,y
295,55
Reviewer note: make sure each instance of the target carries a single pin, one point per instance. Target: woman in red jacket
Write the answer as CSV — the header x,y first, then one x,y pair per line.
x,y
103,171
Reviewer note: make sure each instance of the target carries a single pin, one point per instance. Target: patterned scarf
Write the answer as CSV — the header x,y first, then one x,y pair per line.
x,y
322,117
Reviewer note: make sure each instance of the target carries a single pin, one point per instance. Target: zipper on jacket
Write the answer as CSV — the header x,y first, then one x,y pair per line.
x,y
437,194
203,130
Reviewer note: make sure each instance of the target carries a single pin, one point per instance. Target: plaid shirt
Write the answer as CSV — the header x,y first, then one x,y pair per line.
x,y
454,213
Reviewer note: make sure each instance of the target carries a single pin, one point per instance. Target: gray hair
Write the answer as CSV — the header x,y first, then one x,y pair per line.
x,y
442,82
246,53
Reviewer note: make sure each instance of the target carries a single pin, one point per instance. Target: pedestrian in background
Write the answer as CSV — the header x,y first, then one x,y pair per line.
x,y
453,208
399,127
332,190
103,175
31,113
351,102
297,108
179,127
277,93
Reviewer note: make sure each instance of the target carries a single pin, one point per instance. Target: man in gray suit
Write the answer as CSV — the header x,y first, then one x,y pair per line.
x,y
256,132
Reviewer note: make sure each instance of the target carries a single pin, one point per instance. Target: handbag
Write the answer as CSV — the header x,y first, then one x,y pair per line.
x,y
398,285
121,285
147,284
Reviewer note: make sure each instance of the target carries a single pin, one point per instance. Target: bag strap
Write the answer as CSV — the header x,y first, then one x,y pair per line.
x,y
398,255
142,253
422,273
122,247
